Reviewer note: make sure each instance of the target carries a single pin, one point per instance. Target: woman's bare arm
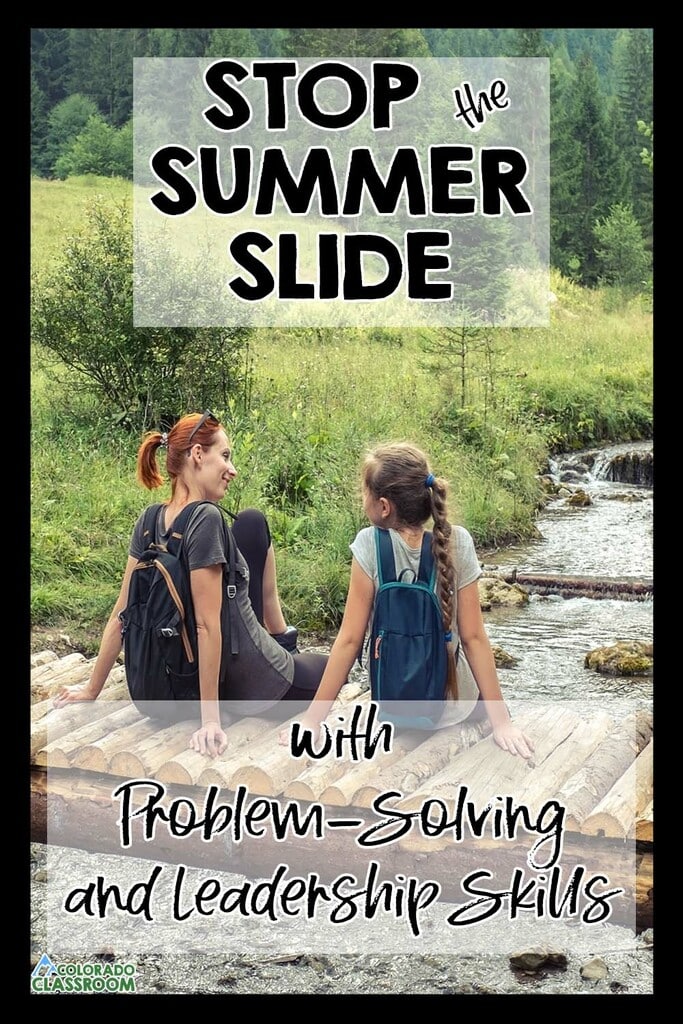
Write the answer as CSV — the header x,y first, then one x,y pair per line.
x,y
207,594
110,648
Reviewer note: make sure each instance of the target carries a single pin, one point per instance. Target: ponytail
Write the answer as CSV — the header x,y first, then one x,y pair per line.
x,y
147,469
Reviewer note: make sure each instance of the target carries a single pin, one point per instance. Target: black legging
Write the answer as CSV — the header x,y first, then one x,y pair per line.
x,y
252,535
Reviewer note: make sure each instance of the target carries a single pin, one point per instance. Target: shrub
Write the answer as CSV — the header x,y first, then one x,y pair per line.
x,y
82,319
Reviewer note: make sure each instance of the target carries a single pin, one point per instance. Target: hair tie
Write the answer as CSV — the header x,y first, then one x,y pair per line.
x,y
429,481
164,440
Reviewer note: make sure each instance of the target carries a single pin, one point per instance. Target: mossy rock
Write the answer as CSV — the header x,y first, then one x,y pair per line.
x,y
625,658
580,499
493,591
502,658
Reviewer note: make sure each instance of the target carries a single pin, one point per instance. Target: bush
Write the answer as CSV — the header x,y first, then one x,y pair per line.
x,y
82,319
98,149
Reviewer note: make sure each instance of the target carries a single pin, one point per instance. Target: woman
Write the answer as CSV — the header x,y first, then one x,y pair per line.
x,y
199,464
401,495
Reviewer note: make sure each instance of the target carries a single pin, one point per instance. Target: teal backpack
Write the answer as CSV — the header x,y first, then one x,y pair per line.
x,y
407,656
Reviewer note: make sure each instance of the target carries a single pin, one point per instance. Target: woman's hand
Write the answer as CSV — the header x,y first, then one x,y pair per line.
x,y
209,739
511,738
72,696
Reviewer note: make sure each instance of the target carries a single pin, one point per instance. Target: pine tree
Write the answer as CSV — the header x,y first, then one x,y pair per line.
x,y
355,42
234,43
529,42
591,169
38,127
50,62
634,69
620,249
102,68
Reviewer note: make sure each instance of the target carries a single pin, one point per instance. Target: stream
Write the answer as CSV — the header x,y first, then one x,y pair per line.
x,y
610,538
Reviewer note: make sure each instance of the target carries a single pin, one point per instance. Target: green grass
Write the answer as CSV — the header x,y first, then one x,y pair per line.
x,y
320,398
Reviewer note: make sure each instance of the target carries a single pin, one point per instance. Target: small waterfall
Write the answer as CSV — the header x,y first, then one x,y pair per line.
x,y
631,467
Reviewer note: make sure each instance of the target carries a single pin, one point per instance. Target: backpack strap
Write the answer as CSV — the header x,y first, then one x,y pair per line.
x,y
386,566
427,570
180,525
232,588
148,524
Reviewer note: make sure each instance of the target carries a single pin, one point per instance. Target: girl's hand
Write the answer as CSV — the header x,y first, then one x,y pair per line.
x,y
72,696
209,739
284,738
511,738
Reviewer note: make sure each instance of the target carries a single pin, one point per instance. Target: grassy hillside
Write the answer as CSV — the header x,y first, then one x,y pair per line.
x,y
319,398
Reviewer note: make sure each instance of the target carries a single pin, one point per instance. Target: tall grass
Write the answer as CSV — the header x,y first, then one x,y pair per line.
x,y
319,399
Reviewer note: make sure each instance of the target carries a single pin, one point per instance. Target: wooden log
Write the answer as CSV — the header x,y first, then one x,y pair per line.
x,y
52,670
270,767
577,586
270,772
186,767
564,761
581,793
267,767
488,771
145,758
617,813
97,755
645,824
426,760
115,688
314,779
341,792
222,769
643,728
58,722
76,675
83,814
77,726
42,658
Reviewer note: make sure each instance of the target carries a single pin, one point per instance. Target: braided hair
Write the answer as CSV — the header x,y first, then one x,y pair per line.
x,y
401,473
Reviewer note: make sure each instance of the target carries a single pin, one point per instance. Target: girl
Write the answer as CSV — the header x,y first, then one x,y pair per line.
x,y
199,464
401,494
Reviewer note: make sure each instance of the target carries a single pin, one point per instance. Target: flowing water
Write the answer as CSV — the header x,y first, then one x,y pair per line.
x,y
550,636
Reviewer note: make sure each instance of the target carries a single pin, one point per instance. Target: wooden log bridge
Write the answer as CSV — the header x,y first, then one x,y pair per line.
x,y
624,588
595,774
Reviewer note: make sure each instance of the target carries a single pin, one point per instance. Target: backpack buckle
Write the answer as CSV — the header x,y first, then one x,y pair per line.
x,y
231,590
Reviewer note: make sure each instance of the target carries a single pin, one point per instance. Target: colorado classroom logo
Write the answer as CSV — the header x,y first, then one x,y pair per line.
x,y
49,977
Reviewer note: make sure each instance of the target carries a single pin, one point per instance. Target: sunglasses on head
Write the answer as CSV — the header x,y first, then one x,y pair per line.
x,y
204,418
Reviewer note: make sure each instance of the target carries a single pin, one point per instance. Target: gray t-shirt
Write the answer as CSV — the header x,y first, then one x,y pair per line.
x,y
467,570
203,539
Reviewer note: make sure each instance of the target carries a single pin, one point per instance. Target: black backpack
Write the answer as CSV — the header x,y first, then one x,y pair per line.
x,y
408,644
158,625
